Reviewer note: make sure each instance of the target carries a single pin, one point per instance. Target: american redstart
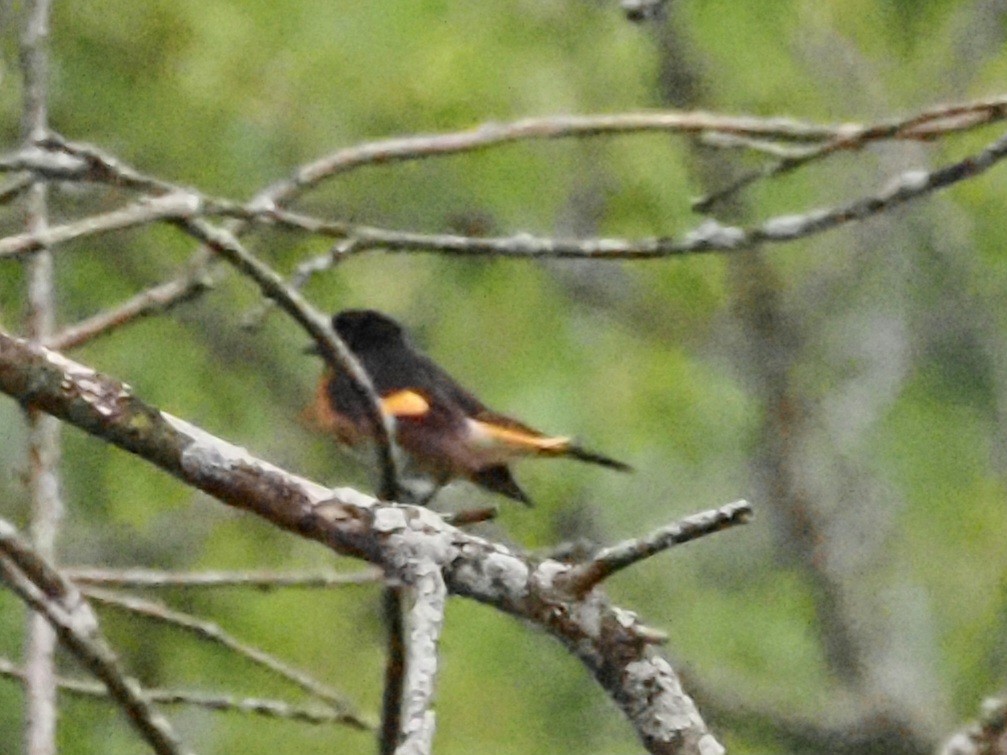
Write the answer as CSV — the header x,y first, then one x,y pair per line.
x,y
445,432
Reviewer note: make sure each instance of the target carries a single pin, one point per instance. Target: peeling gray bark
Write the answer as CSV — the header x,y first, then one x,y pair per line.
x,y
611,642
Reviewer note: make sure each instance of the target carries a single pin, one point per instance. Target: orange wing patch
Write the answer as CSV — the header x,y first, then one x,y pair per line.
x,y
520,439
405,404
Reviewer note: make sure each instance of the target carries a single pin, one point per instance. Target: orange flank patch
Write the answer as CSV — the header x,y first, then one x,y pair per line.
x,y
520,439
405,404
320,415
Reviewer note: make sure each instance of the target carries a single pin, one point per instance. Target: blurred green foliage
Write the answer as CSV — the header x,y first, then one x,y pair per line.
x,y
639,360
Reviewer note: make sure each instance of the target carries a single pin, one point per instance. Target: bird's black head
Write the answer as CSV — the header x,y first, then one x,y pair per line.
x,y
363,329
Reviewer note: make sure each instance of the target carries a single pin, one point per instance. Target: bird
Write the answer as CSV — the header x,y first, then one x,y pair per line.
x,y
444,432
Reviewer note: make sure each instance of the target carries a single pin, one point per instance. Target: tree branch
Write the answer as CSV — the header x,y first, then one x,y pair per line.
x,y
143,212
155,300
48,593
424,620
394,680
259,580
314,714
331,346
926,125
43,432
212,632
586,576
184,207
15,188
609,641
987,736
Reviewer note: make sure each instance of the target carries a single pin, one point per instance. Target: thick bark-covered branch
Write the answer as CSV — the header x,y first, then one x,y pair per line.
x,y
986,736
425,599
610,641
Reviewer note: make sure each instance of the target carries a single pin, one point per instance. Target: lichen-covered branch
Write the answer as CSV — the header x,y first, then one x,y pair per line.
x,y
611,642
425,598
986,736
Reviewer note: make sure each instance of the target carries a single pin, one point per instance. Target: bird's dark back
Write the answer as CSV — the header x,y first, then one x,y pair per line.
x,y
394,364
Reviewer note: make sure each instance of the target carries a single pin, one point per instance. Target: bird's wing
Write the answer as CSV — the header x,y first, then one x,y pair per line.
x,y
442,388
405,403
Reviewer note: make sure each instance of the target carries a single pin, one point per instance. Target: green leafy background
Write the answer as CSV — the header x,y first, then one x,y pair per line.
x,y
645,361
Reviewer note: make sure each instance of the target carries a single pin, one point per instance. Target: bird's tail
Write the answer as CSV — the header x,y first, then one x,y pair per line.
x,y
582,454
509,439
499,480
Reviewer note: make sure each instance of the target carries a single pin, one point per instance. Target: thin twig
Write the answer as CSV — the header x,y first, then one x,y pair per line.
x,y
212,632
618,557
395,670
923,126
15,188
44,164
762,146
154,300
332,348
708,237
465,517
968,115
281,709
302,274
93,164
98,165
148,210
47,592
259,580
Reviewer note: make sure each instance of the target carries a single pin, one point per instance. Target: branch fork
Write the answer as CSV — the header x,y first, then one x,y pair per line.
x,y
610,642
